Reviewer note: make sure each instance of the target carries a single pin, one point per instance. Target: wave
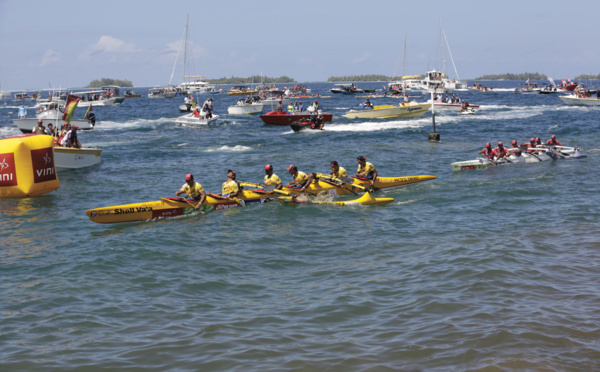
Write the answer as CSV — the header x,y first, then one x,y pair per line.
x,y
236,148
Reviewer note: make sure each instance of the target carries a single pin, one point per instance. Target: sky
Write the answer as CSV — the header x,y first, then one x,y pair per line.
x,y
308,41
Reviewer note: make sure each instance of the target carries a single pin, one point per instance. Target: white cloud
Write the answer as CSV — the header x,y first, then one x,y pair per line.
x,y
50,57
110,46
362,58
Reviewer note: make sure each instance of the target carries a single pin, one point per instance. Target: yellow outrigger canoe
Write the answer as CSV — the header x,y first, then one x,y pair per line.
x,y
366,199
331,186
173,207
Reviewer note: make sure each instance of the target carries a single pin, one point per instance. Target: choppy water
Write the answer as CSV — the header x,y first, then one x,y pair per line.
x,y
477,270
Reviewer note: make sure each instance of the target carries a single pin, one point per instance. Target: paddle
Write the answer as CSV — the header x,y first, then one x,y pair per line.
x,y
240,202
266,188
343,181
534,155
182,199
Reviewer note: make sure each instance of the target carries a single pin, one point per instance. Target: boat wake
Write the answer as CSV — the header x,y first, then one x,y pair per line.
x,y
378,126
236,148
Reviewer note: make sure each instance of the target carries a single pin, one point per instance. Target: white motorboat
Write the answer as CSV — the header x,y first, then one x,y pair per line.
x,y
191,119
410,110
71,158
52,113
574,100
163,92
246,109
106,96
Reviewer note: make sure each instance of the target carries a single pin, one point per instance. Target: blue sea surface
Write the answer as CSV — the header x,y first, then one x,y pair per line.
x,y
480,270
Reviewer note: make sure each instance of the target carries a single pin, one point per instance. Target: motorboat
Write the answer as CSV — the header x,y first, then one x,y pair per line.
x,y
576,100
191,119
66,158
287,118
52,113
241,90
440,104
349,89
246,108
528,88
106,96
162,92
403,110
131,94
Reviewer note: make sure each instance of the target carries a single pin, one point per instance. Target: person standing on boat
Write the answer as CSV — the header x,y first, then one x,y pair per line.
x,y
316,106
22,112
230,187
553,141
301,107
271,179
337,171
487,151
290,107
193,190
366,170
300,178
187,103
51,131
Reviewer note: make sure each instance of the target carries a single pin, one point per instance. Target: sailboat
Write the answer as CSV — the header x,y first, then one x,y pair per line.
x,y
196,86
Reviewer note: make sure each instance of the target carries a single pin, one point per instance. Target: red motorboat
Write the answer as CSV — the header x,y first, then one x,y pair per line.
x,y
286,118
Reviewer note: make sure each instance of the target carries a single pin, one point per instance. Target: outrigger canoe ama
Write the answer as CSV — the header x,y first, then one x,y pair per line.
x,y
333,188
172,207
366,199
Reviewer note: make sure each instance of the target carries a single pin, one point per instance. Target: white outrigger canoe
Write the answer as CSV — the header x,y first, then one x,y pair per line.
x,y
541,154
190,119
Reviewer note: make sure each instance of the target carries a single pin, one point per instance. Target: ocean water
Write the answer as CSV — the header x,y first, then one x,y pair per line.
x,y
488,270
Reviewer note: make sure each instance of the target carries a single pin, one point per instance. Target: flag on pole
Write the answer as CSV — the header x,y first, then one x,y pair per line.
x,y
88,111
552,82
72,102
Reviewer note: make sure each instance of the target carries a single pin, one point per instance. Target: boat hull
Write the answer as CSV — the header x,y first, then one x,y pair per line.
x,y
245,109
170,207
285,118
575,101
102,102
484,163
366,199
190,119
330,188
66,158
390,111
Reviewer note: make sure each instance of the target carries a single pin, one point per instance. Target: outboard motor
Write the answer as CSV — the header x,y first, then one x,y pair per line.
x,y
91,118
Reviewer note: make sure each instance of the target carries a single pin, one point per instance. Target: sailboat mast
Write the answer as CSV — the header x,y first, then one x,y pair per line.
x,y
451,58
404,54
185,46
443,46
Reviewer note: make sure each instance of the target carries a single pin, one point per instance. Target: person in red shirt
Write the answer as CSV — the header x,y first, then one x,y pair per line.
x,y
487,151
515,145
500,152
554,141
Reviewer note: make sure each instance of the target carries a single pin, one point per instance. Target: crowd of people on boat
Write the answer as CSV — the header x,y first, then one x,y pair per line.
x,y
206,111
231,188
447,98
66,136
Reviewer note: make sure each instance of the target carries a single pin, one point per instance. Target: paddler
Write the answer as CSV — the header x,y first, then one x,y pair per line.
x,y
515,145
193,190
532,145
300,178
366,170
500,152
553,141
271,179
337,171
487,151
230,187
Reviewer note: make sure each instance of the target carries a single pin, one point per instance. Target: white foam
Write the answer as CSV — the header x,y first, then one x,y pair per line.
x,y
237,148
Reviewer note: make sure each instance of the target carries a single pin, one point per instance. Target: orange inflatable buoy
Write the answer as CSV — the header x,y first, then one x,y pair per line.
x,y
27,166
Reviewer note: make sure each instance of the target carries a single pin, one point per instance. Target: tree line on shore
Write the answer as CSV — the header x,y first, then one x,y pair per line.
x,y
105,82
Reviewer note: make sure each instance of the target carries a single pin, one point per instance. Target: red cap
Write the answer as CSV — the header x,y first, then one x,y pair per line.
x,y
189,177
40,121
514,142
315,100
532,139
488,145
75,126
291,167
553,136
268,166
500,143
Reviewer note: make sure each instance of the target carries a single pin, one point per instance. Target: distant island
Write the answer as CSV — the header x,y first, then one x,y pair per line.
x,y
255,79
588,77
509,76
106,82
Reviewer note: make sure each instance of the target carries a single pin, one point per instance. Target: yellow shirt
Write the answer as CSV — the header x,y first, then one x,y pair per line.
x,y
194,191
341,173
367,169
229,187
300,178
274,180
